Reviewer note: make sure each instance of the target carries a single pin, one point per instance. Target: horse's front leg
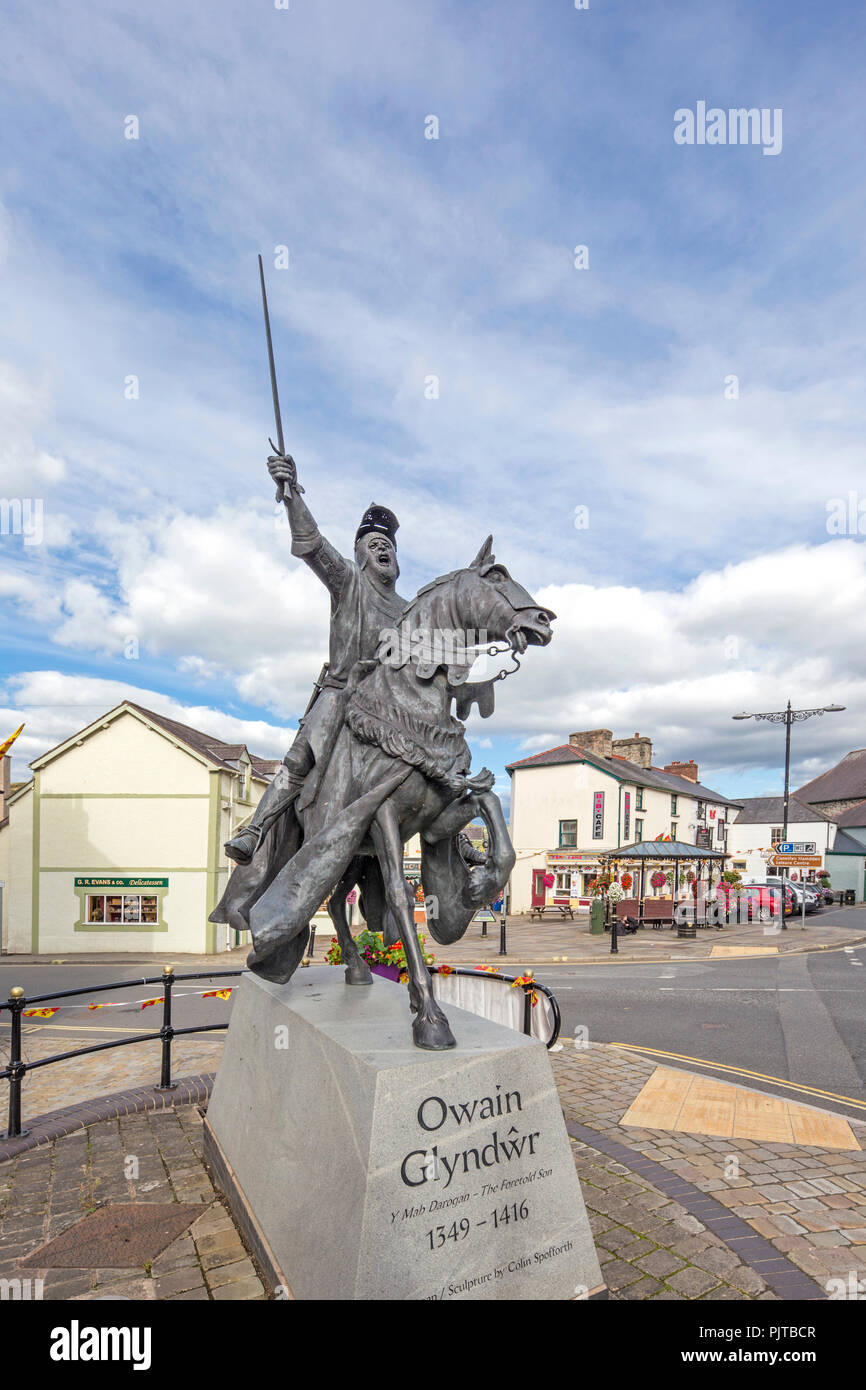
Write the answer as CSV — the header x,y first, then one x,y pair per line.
x,y
430,1027
357,971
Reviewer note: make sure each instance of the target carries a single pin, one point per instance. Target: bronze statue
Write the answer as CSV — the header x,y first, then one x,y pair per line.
x,y
379,757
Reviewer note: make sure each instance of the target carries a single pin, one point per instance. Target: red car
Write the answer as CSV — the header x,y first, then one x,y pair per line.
x,y
754,902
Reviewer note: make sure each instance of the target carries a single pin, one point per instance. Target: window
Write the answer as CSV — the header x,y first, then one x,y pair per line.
x,y
638,831
673,805
673,830
638,800
563,883
123,908
702,810
568,834
775,835
243,782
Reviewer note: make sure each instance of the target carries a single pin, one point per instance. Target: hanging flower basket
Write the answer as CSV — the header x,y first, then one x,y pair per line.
x,y
627,881
658,879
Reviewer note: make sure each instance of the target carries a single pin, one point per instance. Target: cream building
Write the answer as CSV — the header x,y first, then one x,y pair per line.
x,y
757,829
598,793
116,844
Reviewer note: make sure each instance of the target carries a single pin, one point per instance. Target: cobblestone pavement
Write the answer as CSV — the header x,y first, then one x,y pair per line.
x,y
675,1216
49,1189
79,1079
808,1204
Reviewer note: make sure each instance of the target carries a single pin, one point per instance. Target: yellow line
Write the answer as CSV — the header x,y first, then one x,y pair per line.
x,y
743,1071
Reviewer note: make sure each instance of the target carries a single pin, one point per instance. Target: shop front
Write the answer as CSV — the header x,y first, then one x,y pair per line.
x,y
572,872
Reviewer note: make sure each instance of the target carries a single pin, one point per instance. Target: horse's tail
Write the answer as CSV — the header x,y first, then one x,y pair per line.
x,y
455,891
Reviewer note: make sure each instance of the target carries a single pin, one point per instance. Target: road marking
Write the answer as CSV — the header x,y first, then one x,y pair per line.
x,y
694,1104
743,1071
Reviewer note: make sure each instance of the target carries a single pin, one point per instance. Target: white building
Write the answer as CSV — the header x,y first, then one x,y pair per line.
x,y
598,793
116,844
757,829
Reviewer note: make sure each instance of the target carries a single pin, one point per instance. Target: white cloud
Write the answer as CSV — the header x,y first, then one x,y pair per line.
x,y
55,705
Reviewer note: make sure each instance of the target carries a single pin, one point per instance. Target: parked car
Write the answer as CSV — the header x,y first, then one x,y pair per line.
x,y
800,891
761,901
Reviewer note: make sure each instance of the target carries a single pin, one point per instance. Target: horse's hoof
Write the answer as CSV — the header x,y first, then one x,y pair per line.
x,y
358,975
430,1030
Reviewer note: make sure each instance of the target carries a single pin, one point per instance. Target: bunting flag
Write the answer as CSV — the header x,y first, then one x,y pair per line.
x,y
130,1003
4,747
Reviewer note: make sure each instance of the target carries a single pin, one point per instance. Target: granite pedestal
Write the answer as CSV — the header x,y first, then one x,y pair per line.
x,y
361,1167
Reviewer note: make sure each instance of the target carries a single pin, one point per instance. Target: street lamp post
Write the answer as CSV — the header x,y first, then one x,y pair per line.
x,y
788,717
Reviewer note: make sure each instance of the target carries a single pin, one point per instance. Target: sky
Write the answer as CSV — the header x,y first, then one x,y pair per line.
x,y
504,299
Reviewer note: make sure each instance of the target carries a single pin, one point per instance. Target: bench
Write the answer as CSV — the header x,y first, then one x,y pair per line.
x,y
657,912
564,908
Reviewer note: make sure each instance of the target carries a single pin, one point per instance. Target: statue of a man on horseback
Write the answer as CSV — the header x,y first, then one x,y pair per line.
x,y
378,758
364,603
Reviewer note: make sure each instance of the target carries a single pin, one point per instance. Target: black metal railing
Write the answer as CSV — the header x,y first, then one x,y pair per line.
x,y
17,1068
510,980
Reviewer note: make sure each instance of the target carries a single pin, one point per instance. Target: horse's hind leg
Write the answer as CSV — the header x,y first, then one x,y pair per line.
x,y
430,1027
357,971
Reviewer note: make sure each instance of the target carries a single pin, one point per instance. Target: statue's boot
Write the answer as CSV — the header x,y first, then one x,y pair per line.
x,y
277,798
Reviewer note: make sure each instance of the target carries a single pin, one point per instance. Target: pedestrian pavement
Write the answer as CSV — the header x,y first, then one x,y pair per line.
x,y
676,1215
542,943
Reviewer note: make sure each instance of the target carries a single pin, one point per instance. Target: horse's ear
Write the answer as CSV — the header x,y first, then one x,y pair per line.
x,y
485,555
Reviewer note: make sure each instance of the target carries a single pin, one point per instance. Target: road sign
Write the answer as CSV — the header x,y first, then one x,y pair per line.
x,y
796,861
796,847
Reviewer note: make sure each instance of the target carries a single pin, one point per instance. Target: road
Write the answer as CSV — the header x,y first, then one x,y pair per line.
x,y
81,1026
800,1018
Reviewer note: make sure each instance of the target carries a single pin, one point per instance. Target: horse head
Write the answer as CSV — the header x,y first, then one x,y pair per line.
x,y
500,605
459,614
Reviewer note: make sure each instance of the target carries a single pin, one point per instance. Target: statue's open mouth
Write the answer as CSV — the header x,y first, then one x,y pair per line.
x,y
531,629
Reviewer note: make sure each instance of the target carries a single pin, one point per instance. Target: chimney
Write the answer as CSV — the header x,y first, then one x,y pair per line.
x,y
636,750
597,741
689,769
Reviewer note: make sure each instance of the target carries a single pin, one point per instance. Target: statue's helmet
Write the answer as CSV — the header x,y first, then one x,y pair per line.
x,y
378,521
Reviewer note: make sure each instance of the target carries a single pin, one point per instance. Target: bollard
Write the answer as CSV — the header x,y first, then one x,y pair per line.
x,y
502,950
312,946
614,949
16,1067
166,1032
527,1010
484,927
